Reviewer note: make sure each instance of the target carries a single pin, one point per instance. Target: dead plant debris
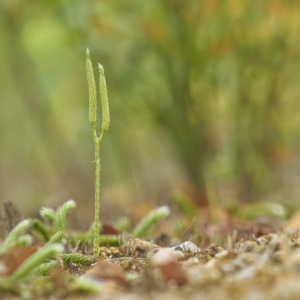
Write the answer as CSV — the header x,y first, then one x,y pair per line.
x,y
267,267
232,266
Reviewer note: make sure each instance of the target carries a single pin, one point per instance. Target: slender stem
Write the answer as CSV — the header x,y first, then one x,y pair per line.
x,y
97,193
97,140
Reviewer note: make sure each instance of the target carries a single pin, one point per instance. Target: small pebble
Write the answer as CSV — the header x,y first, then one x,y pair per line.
x,y
186,246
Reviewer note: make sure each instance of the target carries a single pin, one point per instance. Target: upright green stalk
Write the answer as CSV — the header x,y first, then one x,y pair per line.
x,y
97,140
97,194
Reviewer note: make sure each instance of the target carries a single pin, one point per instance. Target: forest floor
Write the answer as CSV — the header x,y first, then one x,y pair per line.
x,y
263,264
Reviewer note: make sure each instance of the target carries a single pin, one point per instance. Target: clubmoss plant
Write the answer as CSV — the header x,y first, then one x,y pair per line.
x,y
77,258
82,237
35,264
147,222
87,285
8,285
38,226
36,259
45,268
25,240
109,240
14,236
97,138
55,239
58,217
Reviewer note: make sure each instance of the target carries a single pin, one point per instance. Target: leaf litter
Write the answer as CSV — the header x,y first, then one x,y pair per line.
x,y
251,266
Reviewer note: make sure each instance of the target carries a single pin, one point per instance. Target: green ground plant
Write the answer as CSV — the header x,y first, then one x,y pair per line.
x,y
147,222
41,261
58,217
52,254
36,260
97,138
15,235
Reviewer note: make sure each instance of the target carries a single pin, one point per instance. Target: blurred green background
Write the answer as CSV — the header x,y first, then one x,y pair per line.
x,y
200,91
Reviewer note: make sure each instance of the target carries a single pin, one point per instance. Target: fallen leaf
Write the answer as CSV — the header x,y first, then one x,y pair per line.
x,y
109,229
105,270
14,257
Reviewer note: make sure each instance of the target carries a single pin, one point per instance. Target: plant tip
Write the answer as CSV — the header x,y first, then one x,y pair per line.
x,y
25,222
58,248
164,209
101,69
71,203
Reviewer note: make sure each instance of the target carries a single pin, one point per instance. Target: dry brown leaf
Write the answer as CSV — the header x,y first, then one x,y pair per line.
x,y
105,270
14,257
109,229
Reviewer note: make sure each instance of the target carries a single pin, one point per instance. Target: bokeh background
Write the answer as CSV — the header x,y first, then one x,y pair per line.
x,y
202,93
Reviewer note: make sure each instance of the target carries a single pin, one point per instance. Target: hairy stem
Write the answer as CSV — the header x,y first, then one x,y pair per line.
x,y
97,193
97,140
